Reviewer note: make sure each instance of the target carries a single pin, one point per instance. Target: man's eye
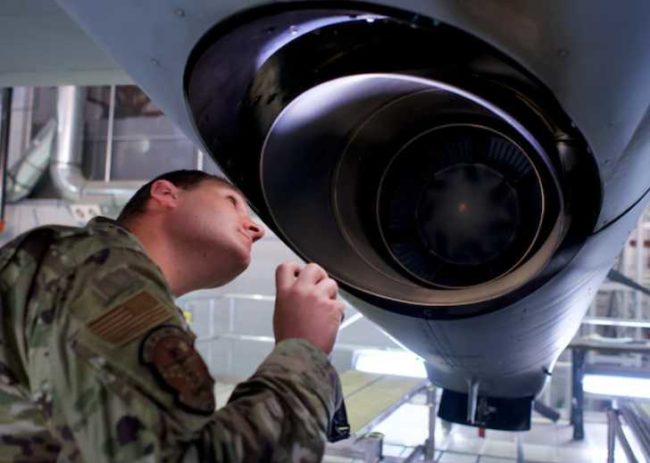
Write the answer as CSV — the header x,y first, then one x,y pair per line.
x,y
233,200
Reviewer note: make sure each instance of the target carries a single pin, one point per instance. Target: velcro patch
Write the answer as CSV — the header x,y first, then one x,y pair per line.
x,y
114,283
169,352
129,320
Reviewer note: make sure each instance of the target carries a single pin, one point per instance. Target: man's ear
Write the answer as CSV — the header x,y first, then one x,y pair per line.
x,y
164,194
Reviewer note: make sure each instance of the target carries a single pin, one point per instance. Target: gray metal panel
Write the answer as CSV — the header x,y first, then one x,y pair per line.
x,y
591,53
41,45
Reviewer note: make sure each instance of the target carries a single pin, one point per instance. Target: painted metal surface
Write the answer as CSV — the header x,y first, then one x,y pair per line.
x,y
591,54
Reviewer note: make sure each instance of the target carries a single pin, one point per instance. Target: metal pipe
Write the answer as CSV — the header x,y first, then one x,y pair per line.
x,y
199,159
618,431
5,119
268,340
65,168
611,436
639,265
546,411
472,401
615,322
108,161
430,444
577,399
258,297
520,448
639,423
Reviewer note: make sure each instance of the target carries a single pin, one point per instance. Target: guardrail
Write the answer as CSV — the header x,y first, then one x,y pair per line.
x,y
637,421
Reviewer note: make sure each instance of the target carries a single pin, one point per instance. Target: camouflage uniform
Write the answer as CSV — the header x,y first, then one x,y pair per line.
x,y
97,364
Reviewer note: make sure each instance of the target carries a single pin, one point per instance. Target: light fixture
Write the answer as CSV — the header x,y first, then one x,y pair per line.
x,y
619,386
399,363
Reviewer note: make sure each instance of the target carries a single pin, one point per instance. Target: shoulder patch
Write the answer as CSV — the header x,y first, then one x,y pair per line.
x,y
114,283
130,319
169,352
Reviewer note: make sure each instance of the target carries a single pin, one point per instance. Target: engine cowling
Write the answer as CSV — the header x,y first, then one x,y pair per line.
x,y
431,175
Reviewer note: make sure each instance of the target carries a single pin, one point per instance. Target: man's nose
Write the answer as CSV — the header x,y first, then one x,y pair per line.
x,y
255,229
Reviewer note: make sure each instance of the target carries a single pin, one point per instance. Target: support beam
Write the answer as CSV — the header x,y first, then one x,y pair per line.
x,y
5,120
578,395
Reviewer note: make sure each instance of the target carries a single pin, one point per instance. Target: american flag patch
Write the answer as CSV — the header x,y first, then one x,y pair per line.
x,y
130,319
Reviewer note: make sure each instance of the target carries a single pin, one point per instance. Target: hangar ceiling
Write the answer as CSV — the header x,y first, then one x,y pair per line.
x,y
41,45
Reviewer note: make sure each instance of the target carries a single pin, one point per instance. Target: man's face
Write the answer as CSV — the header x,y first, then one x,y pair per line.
x,y
214,221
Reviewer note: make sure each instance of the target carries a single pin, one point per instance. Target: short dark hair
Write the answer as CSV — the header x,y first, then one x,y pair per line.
x,y
184,179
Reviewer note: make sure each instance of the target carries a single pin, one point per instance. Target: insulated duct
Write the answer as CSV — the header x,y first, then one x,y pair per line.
x,y
27,171
65,167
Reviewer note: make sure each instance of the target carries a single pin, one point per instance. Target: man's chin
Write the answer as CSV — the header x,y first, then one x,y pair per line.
x,y
242,263
225,279
245,260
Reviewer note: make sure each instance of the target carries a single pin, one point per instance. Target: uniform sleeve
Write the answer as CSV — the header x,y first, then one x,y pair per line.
x,y
120,379
281,413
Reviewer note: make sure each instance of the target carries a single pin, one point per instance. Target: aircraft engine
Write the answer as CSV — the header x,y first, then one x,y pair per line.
x,y
467,171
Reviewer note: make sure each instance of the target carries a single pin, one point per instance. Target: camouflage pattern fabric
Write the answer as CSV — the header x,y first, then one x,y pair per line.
x,y
97,364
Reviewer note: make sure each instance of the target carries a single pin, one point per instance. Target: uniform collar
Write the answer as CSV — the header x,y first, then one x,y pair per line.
x,y
112,226
106,225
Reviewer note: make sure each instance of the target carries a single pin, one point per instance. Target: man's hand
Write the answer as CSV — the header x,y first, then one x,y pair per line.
x,y
306,305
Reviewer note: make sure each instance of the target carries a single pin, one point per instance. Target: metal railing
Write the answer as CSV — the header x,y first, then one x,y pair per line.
x,y
638,423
